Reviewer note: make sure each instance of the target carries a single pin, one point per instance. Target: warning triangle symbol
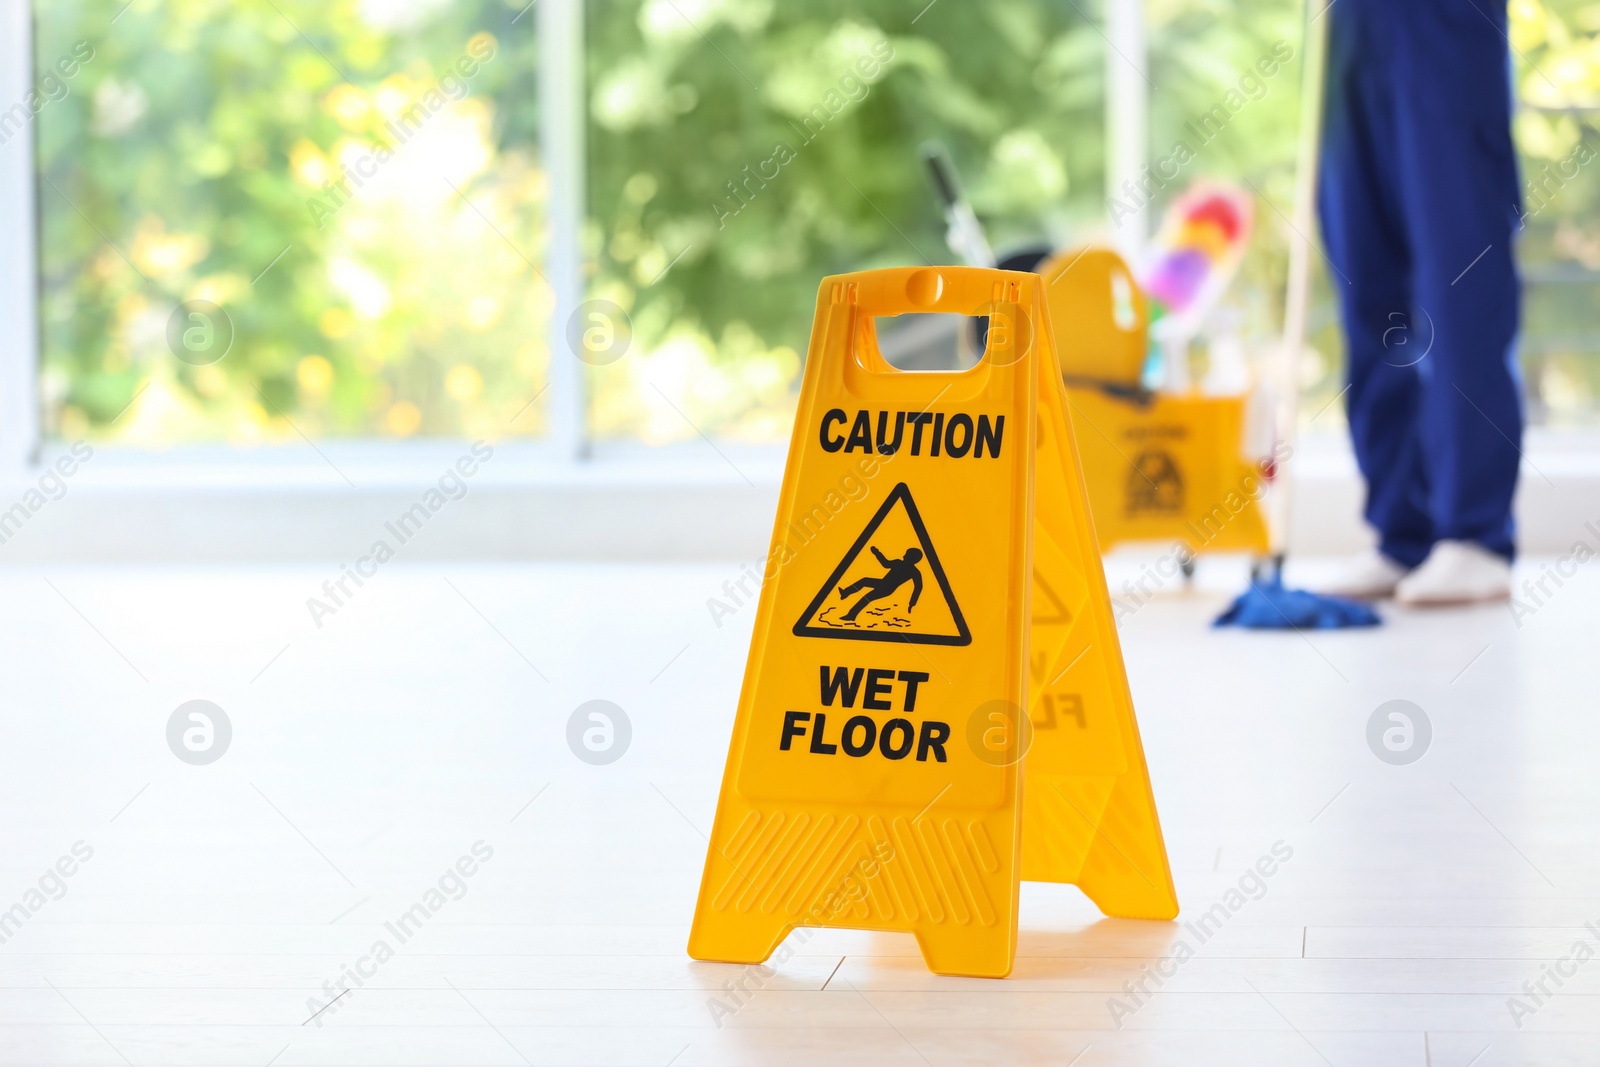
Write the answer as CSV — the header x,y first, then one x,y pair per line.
x,y
890,586
1048,607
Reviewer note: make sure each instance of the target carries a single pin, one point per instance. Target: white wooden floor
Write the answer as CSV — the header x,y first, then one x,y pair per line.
x,y
430,712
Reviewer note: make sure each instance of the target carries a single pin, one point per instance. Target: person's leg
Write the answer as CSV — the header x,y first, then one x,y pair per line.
x,y
878,593
856,586
1359,207
1459,182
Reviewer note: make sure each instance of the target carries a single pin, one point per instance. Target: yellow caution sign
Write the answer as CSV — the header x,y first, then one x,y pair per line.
x,y
875,775
1090,817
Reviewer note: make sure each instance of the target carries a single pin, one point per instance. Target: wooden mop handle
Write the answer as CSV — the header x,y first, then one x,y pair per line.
x,y
1297,297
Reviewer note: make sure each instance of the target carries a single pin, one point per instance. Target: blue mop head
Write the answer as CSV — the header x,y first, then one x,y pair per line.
x,y
1267,605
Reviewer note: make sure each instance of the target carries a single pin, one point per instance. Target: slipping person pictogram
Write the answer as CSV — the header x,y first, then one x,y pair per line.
x,y
897,573
890,605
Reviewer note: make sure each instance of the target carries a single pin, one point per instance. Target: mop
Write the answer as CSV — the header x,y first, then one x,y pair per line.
x,y
1268,604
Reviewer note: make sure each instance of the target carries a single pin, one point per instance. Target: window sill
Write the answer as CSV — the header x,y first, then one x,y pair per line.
x,y
629,502
279,504
375,465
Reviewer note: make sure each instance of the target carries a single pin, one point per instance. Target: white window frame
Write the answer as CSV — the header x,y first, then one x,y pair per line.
x,y
19,272
1127,65
563,112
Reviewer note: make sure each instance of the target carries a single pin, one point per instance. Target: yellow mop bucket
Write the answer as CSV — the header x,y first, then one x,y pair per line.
x,y
1158,467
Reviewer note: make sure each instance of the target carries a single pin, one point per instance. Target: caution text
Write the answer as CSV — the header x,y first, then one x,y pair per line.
x,y
920,433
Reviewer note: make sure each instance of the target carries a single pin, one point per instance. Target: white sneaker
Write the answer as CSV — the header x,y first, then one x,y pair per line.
x,y
1365,577
1456,572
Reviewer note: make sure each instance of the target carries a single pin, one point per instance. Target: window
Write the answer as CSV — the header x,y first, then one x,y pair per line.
x,y
1198,57
1199,62
348,200
263,220
1558,86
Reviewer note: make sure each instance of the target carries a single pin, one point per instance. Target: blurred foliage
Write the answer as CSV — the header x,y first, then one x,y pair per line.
x,y
686,97
1557,59
192,141
185,162
190,145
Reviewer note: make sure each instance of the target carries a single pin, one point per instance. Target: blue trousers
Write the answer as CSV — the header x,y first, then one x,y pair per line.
x,y
1419,201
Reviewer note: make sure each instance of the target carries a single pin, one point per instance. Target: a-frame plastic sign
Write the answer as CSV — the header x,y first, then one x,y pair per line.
x,y
934,620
